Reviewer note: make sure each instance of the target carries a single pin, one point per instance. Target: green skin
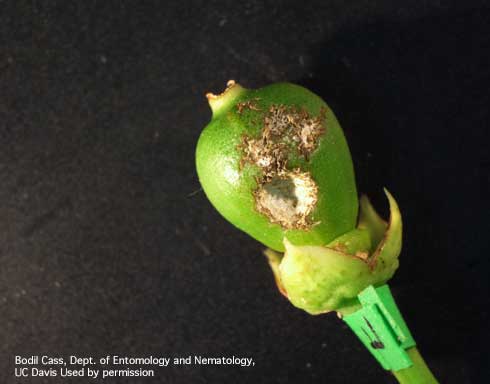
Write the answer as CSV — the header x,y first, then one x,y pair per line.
x,y
230,189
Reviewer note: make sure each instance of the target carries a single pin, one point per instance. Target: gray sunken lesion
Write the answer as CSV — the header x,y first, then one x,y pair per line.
x,y
288,199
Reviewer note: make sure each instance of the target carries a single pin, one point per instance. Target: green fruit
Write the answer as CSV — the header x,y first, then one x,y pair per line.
x,y
274,162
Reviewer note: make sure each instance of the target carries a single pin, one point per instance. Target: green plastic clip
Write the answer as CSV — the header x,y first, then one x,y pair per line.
x,y
381,328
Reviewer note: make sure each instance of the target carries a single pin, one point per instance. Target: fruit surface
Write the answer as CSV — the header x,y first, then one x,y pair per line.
x,y
275,163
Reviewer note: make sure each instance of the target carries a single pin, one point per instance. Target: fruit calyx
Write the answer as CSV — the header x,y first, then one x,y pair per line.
x,y
224,100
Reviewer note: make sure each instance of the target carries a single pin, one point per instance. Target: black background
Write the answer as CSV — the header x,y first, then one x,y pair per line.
x,y
107,244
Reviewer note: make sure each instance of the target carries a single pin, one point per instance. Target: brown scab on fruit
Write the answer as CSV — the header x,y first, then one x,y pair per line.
x,y
286,197
270,156
249,104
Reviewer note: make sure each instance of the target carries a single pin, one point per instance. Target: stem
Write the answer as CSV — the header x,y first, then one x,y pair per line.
x,y
418,373
377,321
